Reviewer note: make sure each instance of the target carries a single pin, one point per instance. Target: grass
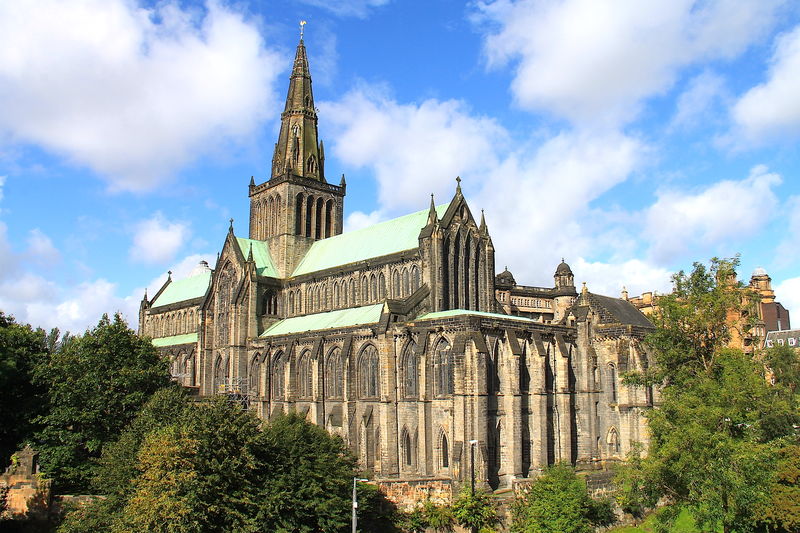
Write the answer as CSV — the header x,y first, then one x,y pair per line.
x,y
683,524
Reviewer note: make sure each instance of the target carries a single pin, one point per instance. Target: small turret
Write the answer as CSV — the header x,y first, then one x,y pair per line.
x,y
565,292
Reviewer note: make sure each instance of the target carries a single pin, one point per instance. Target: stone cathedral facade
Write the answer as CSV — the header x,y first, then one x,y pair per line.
x,y
399,337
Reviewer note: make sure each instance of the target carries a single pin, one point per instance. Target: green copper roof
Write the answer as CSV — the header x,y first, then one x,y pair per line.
x,y
184,289
368,314
175,340
460,312
261,256
381,239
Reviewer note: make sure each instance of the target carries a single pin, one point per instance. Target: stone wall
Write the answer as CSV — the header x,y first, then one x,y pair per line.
x,y
27,494
410,493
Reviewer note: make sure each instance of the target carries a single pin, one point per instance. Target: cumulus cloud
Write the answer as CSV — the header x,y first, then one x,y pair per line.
x,y
157,240
787,293
133,93
610,278
358,220
772,108
347,8
723,212
537,200
593,61
697,100
41,248
412,149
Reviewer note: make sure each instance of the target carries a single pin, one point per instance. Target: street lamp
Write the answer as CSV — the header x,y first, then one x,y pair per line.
x,y
355,502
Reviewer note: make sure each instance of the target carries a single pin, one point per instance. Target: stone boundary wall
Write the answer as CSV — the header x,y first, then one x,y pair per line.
x,y
407,494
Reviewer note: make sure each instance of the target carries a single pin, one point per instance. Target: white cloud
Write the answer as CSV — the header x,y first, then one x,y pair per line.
x,y
157,240
41,248
180,270
595,61
726,211
538,199
132,93
696,101
347,8
787,293
772,108
788,250
358,219
412,149
635,275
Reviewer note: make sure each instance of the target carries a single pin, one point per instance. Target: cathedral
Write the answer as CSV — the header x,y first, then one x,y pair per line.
x,y
399,337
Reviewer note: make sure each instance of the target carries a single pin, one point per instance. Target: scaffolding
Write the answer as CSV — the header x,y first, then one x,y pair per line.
x,y
237,392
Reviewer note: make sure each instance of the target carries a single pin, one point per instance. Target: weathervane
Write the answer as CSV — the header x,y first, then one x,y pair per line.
x,y
302,23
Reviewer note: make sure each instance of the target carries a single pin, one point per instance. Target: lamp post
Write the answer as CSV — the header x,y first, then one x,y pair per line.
x,y
472,445
355,502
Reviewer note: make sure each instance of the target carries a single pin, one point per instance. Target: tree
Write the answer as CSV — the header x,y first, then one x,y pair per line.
x,y
95,386
21,349
558,502
781,514
475,511
714,439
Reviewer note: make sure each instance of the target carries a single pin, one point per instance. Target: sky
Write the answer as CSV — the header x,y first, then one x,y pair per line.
x,y
631,138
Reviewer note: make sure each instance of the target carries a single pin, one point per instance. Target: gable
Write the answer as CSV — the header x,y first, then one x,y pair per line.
x,y
393,236
184,289
261,256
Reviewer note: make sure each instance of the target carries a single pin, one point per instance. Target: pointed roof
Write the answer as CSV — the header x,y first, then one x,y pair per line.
x,y
195,286
385,238
258,251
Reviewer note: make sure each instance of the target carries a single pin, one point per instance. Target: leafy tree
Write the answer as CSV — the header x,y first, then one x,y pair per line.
x,y
21,401
781,514
714,439
438,517
475,511
558,502
95,385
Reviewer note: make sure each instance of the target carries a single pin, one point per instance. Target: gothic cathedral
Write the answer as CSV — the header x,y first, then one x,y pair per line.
x,y
399,337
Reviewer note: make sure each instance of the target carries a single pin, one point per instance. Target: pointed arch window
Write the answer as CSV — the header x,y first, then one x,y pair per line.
x,y
612,382
396,284
406,282
373,287
493,370
334,374
368,372
408,442
443,368
254,377
278,376
444,451
381,287
415,278
304,388
612,440
410,370
364,290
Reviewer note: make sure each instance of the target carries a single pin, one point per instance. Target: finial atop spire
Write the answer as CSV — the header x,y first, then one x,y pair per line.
x,y
482,227
169,275
250,253
302,28
252,181
432,216
230,229
458,183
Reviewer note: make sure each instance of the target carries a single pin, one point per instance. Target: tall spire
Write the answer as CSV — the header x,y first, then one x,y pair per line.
x,y
298,151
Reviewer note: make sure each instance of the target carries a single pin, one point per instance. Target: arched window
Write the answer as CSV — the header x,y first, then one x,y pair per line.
x,y
410,370
443,368
612,440
368,372
409,454
298,214
612,382
444,451
291,303
396,284
278,376
373,287
415,278
254,377
220,374
381,287
353,300
493,368
304,388
406,282
336,296
364,290
333,374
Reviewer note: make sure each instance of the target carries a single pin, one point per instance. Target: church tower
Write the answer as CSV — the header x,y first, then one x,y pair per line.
x,y
296,206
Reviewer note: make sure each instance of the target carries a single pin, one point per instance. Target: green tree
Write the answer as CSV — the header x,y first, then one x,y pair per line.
x,y
475,511
781,514
714,439
95,385
21,349
438,517
558,502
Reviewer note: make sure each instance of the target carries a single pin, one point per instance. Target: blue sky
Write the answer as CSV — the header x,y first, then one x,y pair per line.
x,y
631,138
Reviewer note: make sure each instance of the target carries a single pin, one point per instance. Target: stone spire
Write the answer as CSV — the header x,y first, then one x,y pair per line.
x,y
298,151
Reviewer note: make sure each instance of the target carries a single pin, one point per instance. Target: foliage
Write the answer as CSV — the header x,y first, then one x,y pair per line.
x,y
375,512
782,512
558,502
21,349
714,439
785,367
438,517
475,511
95,384
695,321
413,521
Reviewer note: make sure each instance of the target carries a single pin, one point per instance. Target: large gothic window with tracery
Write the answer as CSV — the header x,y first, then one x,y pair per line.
x,y
278,376
227,280
443,368
368,372
334,368
410,370
304,381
